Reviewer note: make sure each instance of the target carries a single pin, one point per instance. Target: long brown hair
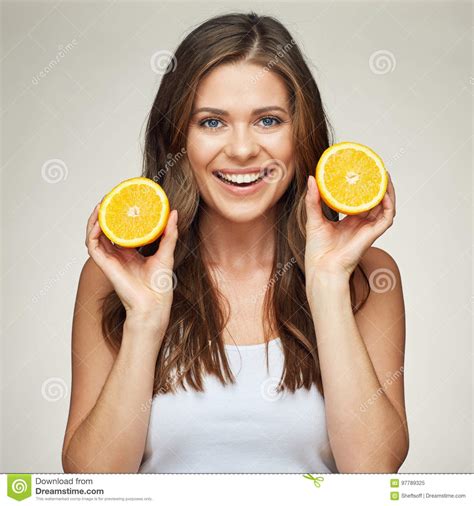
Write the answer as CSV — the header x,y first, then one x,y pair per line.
x,y
193,345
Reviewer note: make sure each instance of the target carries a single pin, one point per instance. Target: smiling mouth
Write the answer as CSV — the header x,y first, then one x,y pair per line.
x,y
238,180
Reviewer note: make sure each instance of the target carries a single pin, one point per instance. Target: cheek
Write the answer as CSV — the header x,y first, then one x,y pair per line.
x,y
280,147
277,144
202,149
280,144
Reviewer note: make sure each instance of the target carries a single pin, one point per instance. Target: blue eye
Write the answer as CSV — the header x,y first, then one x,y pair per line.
x,y
213,123
210,120
271,118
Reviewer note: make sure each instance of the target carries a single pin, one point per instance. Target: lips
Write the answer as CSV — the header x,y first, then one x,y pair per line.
x,y
240,189
250,170
241,178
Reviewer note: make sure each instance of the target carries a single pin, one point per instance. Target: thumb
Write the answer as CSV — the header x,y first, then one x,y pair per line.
x,y
314,212
164,255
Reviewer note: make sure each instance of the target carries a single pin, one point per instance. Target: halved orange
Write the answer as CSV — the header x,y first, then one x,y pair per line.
x,y
351,178
134,213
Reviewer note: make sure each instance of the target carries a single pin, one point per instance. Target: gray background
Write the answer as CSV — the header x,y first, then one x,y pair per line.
x,y
87,111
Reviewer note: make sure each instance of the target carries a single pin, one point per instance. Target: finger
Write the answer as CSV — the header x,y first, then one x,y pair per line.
x,y
391,192
121,253
386,208
107,245
126,255
314,212
165,252
388,202
95,247
375,212
92,219
384,218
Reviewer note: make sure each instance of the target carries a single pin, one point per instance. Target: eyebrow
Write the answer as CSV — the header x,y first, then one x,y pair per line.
x,y
222,112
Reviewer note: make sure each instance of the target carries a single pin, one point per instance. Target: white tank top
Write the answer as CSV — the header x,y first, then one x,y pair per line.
x,y
245,427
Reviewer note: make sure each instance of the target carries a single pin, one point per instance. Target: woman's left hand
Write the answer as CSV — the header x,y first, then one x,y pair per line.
x,y
336,248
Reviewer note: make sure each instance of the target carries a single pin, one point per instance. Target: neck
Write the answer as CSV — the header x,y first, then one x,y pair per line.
x,y
238,247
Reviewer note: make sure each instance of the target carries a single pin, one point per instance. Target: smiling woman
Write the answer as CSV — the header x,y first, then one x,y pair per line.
x,y
221,147
233,379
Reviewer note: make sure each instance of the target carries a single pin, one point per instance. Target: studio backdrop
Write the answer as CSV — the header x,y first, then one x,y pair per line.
x,y
78,80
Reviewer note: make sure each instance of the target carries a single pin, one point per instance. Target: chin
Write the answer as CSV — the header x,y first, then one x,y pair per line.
x,y
240,215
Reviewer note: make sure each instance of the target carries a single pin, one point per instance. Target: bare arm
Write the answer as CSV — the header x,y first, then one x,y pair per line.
x,y
362,373
361,355
112,391
111,438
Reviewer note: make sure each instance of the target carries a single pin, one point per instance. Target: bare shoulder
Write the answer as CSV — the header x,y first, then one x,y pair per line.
x,y
92,288
91,356
377,258
382,325
385,292
378,273
93,277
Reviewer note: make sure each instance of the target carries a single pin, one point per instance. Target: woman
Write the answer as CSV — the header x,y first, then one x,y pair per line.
x,y
209,354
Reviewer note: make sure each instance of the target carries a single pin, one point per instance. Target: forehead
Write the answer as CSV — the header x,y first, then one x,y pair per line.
x,y
241,85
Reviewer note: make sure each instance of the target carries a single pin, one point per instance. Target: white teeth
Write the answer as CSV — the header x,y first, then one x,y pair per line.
x,y
240,178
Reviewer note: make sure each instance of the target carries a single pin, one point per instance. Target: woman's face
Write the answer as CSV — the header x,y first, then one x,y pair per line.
x,y
230,133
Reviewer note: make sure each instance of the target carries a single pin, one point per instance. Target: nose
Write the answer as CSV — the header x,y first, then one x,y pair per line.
x,y
241,144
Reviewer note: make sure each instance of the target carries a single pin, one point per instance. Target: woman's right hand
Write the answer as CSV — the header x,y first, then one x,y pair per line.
x,y
144,284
